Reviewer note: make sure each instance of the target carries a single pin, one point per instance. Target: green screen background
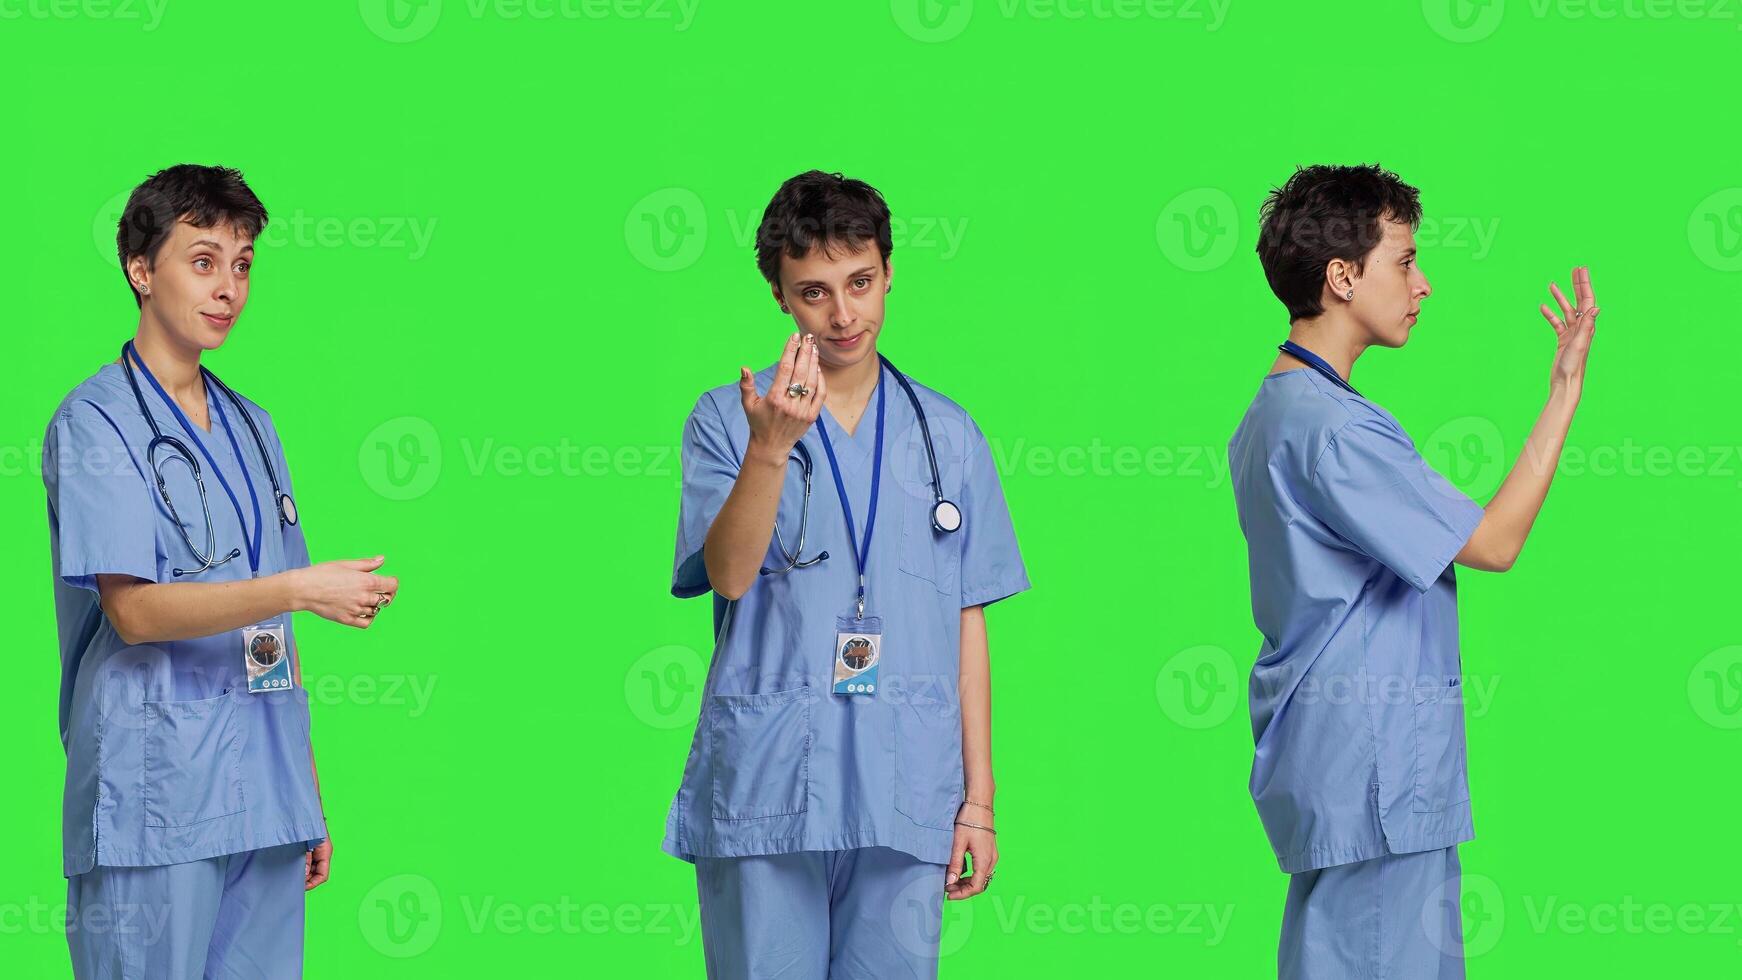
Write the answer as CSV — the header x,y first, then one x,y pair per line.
x,y
510,244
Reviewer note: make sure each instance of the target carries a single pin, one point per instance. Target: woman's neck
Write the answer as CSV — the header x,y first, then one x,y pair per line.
x,y
850,387
176,367
1333,338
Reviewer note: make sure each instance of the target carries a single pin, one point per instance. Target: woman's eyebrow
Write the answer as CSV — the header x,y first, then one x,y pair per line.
x,y
208,243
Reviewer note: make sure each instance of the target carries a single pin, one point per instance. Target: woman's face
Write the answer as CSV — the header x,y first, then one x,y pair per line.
x,y
838,298
1390,289
199,284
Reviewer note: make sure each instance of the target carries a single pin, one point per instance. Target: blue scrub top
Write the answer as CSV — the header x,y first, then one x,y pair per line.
x,y
169,758
1357,707
779,763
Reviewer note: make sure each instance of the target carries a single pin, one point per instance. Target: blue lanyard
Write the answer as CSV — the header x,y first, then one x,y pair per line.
x,y
861,552
1318,364
212,400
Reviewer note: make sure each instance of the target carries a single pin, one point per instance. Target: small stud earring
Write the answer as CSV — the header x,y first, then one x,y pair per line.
x,y
1349,295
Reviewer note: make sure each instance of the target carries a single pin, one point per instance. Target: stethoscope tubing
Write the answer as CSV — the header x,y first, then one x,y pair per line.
x,y
804,457
179,451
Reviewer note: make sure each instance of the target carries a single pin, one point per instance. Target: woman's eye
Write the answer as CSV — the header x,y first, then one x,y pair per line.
x,y
813,294
242,268
861,283
203,263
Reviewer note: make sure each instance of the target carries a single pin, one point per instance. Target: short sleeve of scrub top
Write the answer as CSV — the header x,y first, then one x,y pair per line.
x,y
992,566
710,468
1373,488
101,500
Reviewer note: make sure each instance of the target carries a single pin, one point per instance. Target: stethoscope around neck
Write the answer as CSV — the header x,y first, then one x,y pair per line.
x,y
946,517
177,451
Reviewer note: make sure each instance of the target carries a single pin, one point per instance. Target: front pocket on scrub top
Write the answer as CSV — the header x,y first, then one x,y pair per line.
x,y
1440,778
193,761
925,551
760,746
928,759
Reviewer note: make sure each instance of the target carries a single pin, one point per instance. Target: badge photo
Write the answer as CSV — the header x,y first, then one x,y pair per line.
x,y
858,649
267,657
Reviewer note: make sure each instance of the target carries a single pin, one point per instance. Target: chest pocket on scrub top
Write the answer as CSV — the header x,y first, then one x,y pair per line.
x,y
926,552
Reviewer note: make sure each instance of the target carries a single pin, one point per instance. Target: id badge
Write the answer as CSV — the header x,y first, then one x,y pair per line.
x,y
267,657
858,648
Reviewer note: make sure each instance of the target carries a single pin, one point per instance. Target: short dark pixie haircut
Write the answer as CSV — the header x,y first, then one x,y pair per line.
x,y
206,196
820,209
1323,213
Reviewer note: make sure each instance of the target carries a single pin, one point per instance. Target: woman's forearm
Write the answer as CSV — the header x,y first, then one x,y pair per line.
x,y
150,612
739,536
975,686
1507,519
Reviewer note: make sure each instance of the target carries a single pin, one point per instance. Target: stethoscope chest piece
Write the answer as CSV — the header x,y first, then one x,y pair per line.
x,y
286,509
946,516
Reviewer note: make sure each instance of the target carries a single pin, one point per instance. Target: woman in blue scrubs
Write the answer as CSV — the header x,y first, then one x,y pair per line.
x,y
1356,695
839,784
192,819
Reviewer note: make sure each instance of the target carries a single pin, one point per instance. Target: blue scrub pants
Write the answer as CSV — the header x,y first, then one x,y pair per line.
x,y
239,915
869,913
1393,916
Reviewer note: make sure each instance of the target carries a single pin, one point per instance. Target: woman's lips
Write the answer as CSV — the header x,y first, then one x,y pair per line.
x,y
219,321
847,341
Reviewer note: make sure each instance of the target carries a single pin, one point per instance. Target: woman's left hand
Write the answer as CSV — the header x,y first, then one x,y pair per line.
x,y
317,865
980,845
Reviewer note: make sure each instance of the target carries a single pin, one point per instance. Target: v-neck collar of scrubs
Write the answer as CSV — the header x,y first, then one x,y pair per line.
x,y
118,375
854,448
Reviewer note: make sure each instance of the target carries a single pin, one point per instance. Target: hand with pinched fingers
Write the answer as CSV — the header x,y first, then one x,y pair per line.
x,y
973,853
347,592
778,420
1573,330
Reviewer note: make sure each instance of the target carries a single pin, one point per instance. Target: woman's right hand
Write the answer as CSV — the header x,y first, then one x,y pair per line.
x,y
778,420
346,592
1573,330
